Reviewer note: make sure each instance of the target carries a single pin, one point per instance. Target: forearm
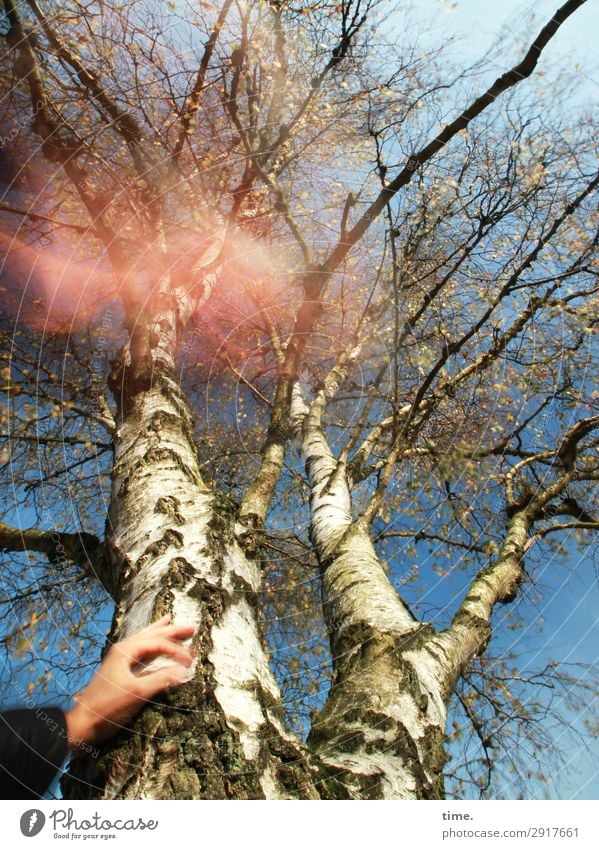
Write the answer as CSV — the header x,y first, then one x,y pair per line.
x,y
84,728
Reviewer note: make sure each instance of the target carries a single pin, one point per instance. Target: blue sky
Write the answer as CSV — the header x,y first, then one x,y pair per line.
x,y
481,21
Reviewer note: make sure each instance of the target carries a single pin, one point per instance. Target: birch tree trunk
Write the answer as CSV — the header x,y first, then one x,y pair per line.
x,y
382,728
173,547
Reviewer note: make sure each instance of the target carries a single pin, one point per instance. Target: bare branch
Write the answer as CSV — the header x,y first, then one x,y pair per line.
x,y
81,548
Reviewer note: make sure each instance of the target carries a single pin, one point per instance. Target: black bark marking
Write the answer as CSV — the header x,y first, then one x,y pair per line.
x,y
157,548
169,505
350,724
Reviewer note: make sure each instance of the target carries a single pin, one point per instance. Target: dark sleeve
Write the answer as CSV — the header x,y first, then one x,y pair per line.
x,y
33,747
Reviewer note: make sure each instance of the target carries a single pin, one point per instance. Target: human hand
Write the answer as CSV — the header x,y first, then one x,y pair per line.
x,y
120,687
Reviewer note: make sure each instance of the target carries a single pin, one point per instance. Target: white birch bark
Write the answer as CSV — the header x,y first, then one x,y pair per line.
x,y
381,730
174,549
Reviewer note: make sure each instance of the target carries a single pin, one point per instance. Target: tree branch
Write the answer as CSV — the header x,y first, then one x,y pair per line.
x,y
81,548
470,629
508,80
192,103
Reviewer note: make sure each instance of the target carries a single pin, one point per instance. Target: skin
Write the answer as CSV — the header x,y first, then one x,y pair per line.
x,y
121,687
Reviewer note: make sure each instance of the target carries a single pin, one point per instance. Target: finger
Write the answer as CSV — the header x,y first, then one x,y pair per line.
x,y
150,629
159,623
166,628
170,676
150,648
178,631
